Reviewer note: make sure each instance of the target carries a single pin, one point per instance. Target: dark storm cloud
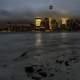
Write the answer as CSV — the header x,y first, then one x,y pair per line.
x,y
24,8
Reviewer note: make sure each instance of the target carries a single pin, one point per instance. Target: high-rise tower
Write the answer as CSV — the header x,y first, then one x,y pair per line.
x,y
50,17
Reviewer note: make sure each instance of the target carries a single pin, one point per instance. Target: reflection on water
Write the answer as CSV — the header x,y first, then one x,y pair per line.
x,y
64,40
63,35
38,41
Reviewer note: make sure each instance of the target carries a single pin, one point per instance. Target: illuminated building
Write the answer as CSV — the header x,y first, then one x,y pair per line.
x,y
46,23
50,21
63,23
38,21
64,20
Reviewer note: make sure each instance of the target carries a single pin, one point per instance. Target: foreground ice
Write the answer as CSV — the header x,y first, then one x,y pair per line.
x,y
39,56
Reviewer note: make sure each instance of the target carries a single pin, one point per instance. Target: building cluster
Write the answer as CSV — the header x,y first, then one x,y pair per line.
x,y
45,24
16,26
57,24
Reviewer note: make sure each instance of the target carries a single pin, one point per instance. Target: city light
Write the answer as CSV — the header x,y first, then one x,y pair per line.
x,y
64,20
50,26
38,21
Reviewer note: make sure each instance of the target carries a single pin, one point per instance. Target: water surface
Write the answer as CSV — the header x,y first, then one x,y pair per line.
x,y
58,53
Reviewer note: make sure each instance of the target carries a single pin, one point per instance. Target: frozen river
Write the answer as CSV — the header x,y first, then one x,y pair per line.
x,y
39,56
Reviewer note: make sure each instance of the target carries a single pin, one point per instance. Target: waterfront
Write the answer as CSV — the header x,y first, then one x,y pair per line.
x,y
58,52
41,24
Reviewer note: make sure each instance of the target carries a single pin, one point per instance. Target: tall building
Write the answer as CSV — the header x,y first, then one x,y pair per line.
x,y
38,21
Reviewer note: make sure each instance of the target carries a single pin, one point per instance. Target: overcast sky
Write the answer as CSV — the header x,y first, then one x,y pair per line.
x,y
20,6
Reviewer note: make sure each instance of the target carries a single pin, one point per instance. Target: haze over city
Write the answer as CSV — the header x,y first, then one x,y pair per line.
x,y
23,9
